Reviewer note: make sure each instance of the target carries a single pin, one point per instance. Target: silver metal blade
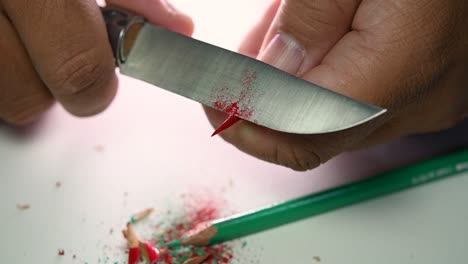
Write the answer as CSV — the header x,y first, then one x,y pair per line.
x,y
240,85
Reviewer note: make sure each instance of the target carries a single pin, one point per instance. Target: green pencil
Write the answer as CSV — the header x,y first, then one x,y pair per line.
x,y
255,221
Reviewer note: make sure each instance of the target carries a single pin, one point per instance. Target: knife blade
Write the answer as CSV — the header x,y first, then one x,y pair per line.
x,y
228,81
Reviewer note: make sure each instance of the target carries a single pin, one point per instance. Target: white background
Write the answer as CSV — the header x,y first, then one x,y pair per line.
x,y
154,151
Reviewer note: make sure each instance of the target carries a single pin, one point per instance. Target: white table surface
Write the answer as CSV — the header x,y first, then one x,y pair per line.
x,y
149,155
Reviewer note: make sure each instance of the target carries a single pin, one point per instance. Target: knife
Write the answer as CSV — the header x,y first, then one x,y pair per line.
x,y
228,81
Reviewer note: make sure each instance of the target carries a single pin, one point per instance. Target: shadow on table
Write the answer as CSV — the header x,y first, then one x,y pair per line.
x,y
361,164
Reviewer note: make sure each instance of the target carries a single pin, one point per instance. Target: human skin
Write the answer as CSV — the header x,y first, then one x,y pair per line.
x,y
58,51
408,56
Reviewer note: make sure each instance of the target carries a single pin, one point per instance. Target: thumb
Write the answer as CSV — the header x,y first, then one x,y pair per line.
x,y
304,31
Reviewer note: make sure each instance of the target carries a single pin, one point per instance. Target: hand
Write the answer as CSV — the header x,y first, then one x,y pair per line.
x,y
409,56
58,50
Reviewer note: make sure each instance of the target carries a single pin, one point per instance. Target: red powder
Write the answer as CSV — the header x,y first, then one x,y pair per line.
x,y
166,257
197,213
207,213
233,108
61,252
219,105
241,106
248,77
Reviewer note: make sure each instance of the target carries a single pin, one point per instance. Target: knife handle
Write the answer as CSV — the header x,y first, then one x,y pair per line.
x,y
122,30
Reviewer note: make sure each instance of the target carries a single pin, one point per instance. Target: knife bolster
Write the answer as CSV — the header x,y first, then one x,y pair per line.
x,y
122,30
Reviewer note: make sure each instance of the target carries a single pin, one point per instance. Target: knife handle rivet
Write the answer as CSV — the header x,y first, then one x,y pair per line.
x,y
122,31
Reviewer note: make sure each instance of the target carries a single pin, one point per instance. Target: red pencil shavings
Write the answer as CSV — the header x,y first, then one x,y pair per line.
x,y
168,224
197,212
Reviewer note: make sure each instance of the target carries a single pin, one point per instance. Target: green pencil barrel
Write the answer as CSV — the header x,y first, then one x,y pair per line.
x,y
293,210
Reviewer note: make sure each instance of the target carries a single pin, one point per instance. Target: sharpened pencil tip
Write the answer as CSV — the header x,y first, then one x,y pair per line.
x,y
230,121
216,132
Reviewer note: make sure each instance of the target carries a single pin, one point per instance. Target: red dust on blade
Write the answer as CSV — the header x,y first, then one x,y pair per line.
x,y
234,109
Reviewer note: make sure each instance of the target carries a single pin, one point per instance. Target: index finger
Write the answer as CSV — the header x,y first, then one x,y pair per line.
x,y
67,43
159,12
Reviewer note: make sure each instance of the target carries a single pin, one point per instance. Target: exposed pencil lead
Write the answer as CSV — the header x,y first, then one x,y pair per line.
x,y
230,121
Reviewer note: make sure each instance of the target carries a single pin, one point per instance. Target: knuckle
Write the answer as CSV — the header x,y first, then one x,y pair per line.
x,y
81,72
305,160
296,158
24,113
313,21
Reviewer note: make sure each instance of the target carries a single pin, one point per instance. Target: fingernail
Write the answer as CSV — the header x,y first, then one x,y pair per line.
x,y
284,53
170,7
